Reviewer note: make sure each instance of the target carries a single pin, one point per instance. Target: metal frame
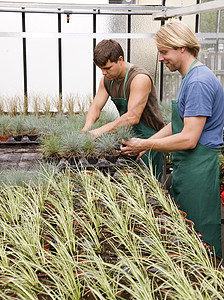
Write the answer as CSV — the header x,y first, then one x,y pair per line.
x,y
79,9
159,12
189,10
69,9
215,5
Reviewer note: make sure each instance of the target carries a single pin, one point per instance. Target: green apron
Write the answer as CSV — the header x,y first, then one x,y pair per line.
x,y
195,185
142,131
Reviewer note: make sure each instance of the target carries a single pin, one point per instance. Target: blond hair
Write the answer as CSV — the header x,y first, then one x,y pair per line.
x,y
175,35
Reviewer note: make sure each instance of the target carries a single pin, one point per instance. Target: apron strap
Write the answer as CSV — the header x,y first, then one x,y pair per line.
x,y
125,79
111,86
182,84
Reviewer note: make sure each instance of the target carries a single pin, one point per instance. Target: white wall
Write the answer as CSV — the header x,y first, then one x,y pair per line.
x,y
77,65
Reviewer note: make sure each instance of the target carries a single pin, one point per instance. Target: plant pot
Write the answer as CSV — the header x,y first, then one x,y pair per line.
x,y
25,139
18,138
189,224
112,158
92,160
74,160
183,214
129,158
33,137
4,138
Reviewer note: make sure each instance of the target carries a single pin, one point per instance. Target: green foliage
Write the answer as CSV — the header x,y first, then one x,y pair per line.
x,y
75,122
4,124
17,124
208,21
51,145
87,143
32,124
124,133
105,117
45,125
71,143
106,143
21,177
88,236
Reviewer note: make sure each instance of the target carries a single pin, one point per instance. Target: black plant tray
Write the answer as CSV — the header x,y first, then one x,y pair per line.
x,y
26,140
103,165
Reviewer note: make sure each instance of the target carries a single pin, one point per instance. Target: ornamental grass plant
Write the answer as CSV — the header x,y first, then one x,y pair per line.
x,y
17,125
4,124
79,233
107,143
83,235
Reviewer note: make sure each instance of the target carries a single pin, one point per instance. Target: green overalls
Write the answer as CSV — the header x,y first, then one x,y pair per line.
x,y
142,130
195,185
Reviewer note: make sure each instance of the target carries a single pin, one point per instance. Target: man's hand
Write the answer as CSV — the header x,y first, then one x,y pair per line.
x,y
95,132
133,147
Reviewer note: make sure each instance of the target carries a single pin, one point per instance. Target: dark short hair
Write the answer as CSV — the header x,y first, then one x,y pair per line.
x,y
107,50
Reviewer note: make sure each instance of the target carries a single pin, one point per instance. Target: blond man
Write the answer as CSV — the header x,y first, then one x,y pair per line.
x,y
195,135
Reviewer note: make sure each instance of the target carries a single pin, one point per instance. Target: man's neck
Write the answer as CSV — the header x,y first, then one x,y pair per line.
x,y
187,63
124,70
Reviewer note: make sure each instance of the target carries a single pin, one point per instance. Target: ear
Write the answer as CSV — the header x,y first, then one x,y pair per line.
x,y
120,59
182,49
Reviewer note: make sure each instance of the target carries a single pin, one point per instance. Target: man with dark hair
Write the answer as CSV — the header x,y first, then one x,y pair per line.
x,y
132,90
107,50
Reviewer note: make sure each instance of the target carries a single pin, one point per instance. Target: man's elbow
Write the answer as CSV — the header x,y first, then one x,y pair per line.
x,y
192,144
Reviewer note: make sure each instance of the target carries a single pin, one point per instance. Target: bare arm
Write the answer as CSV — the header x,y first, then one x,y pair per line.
x,y
95,109
186,139
139,91
165,131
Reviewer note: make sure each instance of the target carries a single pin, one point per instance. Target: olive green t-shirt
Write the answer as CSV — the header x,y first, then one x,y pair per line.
x,y
151,115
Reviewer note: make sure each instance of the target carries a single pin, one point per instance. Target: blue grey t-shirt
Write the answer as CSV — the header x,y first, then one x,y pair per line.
x,y
202,95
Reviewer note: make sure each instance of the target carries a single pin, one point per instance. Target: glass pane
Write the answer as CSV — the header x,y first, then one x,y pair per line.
x,y
144,51
77,62
106,25
11,56
42,56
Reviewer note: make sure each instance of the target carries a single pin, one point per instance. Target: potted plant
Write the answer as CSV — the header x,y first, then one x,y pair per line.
x,y
107,145
5,130
71,147
31,127
51,147
88,148
17,126
126,133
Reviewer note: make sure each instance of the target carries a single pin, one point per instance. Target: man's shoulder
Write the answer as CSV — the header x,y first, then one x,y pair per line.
x,y
138,69
202,75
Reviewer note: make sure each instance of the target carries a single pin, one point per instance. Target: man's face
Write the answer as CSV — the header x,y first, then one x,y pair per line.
x,y
111,70
170,57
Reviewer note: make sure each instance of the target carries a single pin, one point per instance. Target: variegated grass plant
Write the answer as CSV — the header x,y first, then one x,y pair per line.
x,y
107,239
